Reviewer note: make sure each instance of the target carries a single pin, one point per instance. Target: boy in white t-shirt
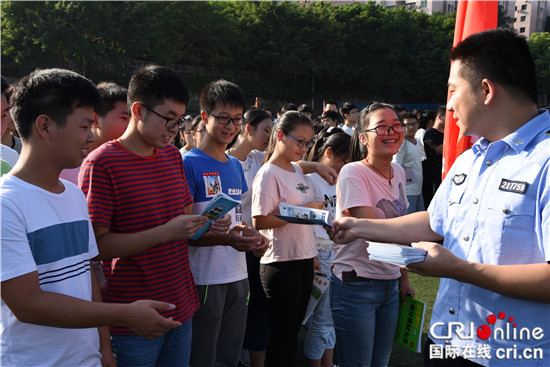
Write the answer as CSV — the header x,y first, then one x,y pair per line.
x,y
409,157
51,303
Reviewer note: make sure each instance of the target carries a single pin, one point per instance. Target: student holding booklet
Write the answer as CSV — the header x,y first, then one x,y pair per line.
x,y
286,269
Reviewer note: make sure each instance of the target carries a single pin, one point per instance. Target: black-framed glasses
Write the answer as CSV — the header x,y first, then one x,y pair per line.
x,y
224,120
384,130
410,124
302,143
170,122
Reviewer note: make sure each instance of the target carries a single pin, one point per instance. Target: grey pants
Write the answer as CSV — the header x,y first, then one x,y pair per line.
x,y
219,324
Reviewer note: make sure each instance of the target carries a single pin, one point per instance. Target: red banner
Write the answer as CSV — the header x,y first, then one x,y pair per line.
x,y
471,17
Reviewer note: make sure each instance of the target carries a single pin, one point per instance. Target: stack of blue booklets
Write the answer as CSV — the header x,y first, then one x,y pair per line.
x,y
392,253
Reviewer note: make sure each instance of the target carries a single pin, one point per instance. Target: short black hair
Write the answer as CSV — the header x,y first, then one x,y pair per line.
x,y
347,107
221,92
52,92
111,93
305,108
409,115
288,107
154,84
500,55
331,114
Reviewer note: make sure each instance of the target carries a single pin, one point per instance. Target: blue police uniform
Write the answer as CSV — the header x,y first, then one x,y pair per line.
x,y
494,208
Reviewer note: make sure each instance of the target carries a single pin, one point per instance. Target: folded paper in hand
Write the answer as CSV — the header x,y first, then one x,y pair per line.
x,y
219,206
395,254
303,215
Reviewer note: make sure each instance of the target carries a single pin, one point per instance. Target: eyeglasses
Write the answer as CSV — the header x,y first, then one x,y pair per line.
x,y
201,131
303,143
224,120
384,130
410,124
170,122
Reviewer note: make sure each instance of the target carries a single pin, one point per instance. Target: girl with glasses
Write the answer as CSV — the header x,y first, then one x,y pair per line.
x,y
365,293
332,149
286,269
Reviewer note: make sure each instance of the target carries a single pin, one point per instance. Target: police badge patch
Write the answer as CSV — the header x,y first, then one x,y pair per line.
x,y
459,179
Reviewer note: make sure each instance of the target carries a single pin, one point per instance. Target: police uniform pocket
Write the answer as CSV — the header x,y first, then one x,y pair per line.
x,y
512,217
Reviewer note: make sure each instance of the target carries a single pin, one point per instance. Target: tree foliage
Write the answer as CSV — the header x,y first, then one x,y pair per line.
x,y
276,49
539,43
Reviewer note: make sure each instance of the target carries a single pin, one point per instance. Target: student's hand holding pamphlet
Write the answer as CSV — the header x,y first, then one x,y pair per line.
x,y
304,215
218,207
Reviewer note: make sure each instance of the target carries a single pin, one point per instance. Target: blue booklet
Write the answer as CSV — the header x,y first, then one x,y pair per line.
x,y
219,206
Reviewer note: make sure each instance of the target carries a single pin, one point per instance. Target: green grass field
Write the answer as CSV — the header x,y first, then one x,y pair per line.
x,y
426,291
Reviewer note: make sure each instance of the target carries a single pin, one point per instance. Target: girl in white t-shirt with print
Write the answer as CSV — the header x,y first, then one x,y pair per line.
x,y
332,149
286,269
365,293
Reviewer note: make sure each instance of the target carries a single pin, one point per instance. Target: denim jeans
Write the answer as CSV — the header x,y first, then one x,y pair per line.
x,y
320,334
365,317
416,203
171,349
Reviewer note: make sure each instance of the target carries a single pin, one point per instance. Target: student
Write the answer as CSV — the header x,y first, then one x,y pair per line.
x,y
491,211
48,317
8,128
186,136
409,157
432,167
286,269
8,156
219,264
248,147
330,105
111,121
306,110
140,208
332,149
350,114
329,118
198,130
365,293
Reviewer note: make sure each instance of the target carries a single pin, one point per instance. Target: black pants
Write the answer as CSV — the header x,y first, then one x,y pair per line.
x,y
257,321
287,286
445,362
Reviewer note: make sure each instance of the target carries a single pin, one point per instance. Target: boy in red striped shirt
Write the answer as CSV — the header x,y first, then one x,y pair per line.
x,y
141,212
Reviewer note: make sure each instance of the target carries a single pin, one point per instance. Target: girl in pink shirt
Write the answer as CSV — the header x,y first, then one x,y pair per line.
x,y
365,293
286,269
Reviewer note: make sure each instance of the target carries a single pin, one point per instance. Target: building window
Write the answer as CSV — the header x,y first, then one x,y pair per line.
x,y
423,4
524,7
522,30
522,19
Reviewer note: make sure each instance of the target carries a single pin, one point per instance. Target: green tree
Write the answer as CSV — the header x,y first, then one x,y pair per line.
x,y
539,43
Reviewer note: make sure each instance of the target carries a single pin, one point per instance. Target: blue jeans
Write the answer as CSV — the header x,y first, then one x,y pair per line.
x,y
416,204
320,334
365,317
171,349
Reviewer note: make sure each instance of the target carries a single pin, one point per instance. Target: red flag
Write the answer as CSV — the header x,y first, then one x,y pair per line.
x,y
471,17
